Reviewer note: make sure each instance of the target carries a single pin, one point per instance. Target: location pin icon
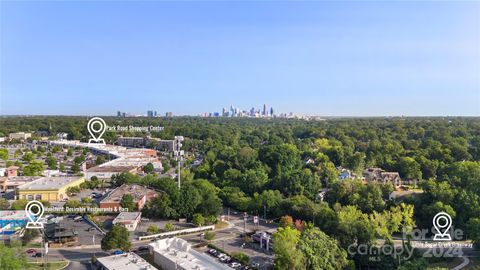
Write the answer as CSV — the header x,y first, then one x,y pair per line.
x,y
442,223
95,132
34,211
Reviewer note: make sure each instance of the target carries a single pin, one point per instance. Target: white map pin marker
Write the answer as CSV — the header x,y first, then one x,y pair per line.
x,y
96,133
442,222
34,212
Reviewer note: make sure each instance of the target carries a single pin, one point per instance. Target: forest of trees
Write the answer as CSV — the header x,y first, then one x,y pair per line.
x,y
258,165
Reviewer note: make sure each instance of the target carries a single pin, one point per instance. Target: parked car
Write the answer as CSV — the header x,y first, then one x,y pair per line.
x,y
117,252
235,265
143,248
31,250
96,195
225,259
37,254
212,252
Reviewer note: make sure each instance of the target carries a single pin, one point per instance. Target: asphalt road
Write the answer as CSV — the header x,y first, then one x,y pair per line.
x,y
71,254
79,266
78,254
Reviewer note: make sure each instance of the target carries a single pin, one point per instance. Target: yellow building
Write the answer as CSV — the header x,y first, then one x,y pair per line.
x,y
48,188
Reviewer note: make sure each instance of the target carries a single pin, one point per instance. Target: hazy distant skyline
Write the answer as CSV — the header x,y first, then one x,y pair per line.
x,y
314,58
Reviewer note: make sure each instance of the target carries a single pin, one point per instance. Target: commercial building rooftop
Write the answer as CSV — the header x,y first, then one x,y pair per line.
x,y
128,158
111,168
137,192
177,253
127,261
114,150
127,216
52,183
12,182
11,223
13,215
19,179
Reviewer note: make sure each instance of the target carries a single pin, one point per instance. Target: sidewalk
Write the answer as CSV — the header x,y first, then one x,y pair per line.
x,y
465,262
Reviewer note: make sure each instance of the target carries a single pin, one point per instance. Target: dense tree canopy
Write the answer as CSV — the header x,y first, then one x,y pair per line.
x,y
116,238
277,167
12,258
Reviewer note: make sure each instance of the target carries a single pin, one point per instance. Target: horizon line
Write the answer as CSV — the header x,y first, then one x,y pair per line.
x,y
229,117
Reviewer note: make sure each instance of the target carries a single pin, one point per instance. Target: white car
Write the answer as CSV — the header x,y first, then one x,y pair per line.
x,y
235,265
225,259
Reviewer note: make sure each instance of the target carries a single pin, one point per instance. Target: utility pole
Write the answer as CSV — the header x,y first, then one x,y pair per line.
x,y
46,253
42,254
245,216
44,257
178,155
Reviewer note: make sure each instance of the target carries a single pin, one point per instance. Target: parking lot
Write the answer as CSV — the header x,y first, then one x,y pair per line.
x,y
235,264
86,193
85,232
234,244
230,240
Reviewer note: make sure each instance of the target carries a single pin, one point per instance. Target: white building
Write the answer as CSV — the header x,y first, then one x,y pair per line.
x,y
129,219
20,135
178,254
106,171
51,173
123,159
161,145
62,136
127,261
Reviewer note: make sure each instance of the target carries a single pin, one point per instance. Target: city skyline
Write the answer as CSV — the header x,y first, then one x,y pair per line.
x,y
310,58
232,111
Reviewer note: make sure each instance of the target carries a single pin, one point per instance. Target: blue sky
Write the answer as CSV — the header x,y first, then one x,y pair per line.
x,y
316,58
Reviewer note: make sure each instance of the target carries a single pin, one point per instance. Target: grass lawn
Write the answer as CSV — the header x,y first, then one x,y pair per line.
x,y
413,188
51,265
447,263
221,225
33,245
